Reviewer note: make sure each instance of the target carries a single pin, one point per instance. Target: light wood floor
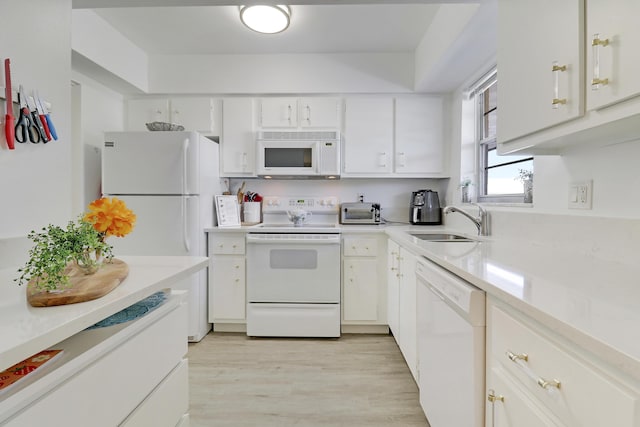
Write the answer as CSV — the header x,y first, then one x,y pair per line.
x,y
356,380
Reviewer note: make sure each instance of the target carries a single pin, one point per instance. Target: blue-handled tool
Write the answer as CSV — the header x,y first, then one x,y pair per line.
x,y
52,128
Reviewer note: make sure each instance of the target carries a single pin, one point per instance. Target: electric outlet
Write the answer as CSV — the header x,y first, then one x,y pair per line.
x,y
361,197
580,195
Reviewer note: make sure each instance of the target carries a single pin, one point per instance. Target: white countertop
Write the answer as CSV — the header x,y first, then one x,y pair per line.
x,y
592,302
26,330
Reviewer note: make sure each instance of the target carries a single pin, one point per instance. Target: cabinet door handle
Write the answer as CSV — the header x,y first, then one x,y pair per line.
x,y
556,70
492,397
243,161
597,82
382,160
289,113
517,356
401,160
519,359
308,108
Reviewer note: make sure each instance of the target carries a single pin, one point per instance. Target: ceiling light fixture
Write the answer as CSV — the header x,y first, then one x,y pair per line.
x,y
266,19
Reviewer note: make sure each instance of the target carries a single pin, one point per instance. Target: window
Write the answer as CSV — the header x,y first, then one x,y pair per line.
x,y
501,178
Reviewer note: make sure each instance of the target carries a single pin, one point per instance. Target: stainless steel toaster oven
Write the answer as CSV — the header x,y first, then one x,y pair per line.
x,y
360,213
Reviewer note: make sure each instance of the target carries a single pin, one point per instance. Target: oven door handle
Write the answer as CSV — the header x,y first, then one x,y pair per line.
x,y
291,239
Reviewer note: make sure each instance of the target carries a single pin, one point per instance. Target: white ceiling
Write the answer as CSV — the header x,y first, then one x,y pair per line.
x,y
314,29
174,27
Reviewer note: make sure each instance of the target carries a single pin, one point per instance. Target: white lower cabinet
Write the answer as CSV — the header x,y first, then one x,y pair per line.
x,y
402,305
113,376
363,284
227,278
559,383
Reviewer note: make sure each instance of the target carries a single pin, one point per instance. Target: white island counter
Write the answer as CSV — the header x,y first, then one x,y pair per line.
x,y
93,366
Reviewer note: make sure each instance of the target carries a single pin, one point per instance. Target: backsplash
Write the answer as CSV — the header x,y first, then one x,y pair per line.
x,y
612,239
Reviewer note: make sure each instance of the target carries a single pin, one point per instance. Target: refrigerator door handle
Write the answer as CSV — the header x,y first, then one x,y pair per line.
x,y
185,225
185,152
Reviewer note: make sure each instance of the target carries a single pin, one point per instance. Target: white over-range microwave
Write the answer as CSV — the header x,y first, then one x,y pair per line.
x,y
309,154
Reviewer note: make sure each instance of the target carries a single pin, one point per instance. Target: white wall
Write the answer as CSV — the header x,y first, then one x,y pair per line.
x,y
97,41
290,73
100,109
392,194
35,179
613,170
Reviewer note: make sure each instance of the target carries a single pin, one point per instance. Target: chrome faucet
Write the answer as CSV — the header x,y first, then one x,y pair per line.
x,y
481,221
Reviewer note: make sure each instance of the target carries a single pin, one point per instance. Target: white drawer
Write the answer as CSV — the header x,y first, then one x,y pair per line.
x,y
221,244
106,391
586,396
167,404
360,246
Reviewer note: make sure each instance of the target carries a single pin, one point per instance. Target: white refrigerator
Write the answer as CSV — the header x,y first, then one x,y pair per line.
x,y
169,180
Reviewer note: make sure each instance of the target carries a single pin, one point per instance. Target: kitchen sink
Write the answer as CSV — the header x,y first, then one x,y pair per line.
x,y
442,237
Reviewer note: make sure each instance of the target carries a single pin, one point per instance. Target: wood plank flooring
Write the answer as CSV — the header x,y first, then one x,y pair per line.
x,y
356,380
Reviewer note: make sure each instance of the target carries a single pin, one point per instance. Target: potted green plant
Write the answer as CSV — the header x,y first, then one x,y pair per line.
x,y
81,245
526,177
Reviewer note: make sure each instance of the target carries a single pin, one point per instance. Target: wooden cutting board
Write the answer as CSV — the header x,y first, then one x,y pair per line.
x,y
82,287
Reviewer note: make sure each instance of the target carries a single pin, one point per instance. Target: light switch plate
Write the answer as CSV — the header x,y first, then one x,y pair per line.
x,y
580,195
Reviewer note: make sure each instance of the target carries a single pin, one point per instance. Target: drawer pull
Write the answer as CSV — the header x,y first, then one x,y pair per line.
x,y
548,384
493,398
515,357
520,359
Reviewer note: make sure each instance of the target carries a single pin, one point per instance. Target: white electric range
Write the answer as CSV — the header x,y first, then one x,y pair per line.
x,y
293,272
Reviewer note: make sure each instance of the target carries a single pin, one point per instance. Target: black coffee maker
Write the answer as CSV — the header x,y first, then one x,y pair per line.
x,y
425,208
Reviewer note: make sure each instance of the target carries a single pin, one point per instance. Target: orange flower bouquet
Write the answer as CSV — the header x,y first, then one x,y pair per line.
x,y
82,243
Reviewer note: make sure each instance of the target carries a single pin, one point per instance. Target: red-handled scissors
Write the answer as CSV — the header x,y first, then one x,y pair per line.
x,y
26,128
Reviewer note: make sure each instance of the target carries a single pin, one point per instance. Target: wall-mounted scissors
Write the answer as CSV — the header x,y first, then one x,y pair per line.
x,y
26,128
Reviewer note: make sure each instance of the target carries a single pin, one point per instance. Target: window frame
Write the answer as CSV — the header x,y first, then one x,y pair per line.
x,y
485,145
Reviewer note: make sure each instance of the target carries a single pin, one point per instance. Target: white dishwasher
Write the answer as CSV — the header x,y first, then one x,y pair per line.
x,y
451,347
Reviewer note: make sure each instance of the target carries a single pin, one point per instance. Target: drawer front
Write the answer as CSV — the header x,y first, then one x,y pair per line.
x,y
167,404
360,246
221,244
586,396
513,407
123,378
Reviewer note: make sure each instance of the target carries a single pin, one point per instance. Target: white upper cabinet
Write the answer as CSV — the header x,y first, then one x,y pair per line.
x,y
613,64
238,142
387,137
419,141
368,136
589,93
319,112
304,112
278,112
540,74
195,114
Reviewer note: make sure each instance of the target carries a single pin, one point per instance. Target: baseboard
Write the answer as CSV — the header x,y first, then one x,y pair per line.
x,y
365,329
229,327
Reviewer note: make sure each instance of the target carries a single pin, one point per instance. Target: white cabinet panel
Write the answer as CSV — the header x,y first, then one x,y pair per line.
x,y
408,320
368,136
227,278
278,112
195,114
360,290
393,288
143,111
419,141
238,143
532,36
227,289
617,22
319,112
